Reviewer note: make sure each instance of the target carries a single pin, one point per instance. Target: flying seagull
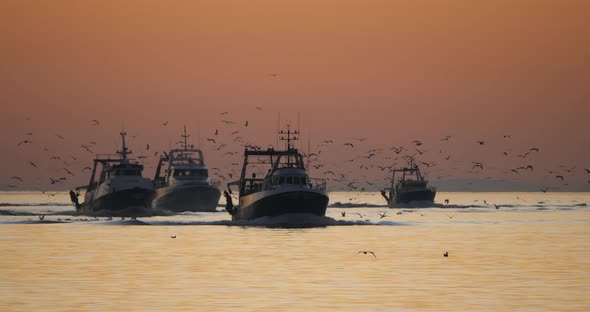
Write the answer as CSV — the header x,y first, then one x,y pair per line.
x,y
367,252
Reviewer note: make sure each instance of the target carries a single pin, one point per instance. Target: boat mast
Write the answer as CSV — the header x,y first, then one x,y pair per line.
x,y
199,135
299,128
308,149
185,136
278,127
124,150
291,136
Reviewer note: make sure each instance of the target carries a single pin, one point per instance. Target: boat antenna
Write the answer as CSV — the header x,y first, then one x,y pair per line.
x,y
124,150
199,134
185,136
299,127
291,136
308,148
278,126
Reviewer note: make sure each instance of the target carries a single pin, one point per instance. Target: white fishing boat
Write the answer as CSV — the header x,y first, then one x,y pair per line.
x,y
117,186
410,187
285,189
185,184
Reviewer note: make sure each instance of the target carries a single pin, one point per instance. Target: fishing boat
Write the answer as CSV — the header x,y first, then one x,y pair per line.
x,y
285,188
117,186
186,185
410,187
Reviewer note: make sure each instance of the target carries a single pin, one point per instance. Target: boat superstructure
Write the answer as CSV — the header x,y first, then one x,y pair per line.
x,y
285,187
410,187
185,184
116,185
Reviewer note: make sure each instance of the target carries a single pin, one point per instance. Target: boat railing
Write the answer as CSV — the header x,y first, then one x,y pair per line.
x,y
312,183
317,184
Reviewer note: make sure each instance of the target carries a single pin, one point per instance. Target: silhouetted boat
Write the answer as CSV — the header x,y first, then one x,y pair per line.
x,y
186,185
119,186
410,187
285,189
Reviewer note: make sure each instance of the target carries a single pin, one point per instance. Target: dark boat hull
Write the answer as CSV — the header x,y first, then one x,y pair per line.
x,y
133,201
294,202
412,196
191,198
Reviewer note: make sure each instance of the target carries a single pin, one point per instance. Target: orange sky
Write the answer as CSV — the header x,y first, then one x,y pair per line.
x,y
392,71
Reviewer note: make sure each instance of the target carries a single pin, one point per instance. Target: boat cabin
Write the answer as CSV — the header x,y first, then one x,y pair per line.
x,y
286,168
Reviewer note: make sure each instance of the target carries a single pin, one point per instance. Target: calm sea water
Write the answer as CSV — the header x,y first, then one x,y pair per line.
x,y
533,253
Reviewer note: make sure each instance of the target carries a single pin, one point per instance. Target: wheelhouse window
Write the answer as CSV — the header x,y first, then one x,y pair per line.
x,y
127,172
190,173
294,180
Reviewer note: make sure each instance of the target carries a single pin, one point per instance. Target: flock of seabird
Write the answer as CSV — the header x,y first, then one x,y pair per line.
x,y
367,165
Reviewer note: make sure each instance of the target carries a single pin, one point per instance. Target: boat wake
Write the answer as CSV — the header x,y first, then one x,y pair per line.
x,y
288,221
355,205
129,212
16,213
34,204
